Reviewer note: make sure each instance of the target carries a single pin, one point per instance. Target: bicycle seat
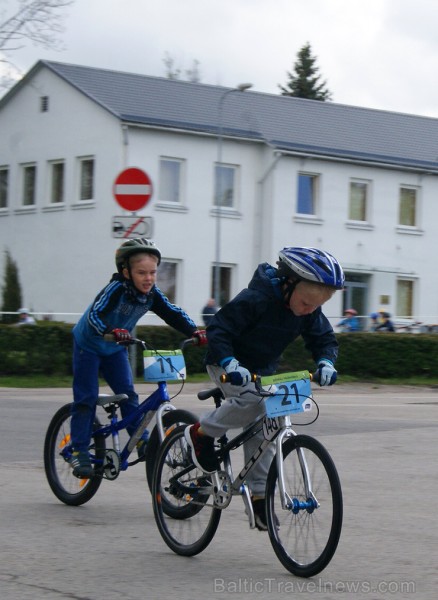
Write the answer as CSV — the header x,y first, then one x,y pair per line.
x,y
105,399
215,393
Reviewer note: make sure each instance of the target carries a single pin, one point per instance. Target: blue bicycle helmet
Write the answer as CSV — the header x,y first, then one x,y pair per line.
x,y
311,264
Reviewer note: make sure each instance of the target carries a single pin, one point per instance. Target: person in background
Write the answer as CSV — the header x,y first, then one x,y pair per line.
x,y
249,334
209,310
386,324
350,322
374,321
25,318
129,295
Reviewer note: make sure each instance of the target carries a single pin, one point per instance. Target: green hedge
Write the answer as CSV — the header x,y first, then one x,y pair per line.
x,y
46,349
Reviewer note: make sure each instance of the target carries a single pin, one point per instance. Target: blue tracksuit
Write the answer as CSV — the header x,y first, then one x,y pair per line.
x,y
118,306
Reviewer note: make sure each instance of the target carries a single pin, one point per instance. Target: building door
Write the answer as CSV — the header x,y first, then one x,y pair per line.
x,y
356,295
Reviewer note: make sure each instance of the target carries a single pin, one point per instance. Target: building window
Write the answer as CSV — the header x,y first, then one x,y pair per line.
x,y
44,103
4,187
57,183
225,186
224,284
167,274
307,194
29,185
358,201
86,179
408,207
405,297
170,180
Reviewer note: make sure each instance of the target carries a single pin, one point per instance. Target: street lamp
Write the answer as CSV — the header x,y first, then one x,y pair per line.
x,y
219,200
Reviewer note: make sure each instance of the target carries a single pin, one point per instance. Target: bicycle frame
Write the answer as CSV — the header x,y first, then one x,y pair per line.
x,y
156,403
276,430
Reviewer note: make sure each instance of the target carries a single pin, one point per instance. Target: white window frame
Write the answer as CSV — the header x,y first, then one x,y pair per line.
x,y
230,194
315,178
365,209
171,184
5,176
416,191
56,196
167,284
28,197
405,308
81,184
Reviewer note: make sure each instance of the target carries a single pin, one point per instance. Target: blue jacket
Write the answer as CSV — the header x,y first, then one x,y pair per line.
x,y
256,327
119,306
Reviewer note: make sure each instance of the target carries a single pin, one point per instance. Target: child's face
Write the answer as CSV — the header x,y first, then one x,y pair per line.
x,y
143,271
306,298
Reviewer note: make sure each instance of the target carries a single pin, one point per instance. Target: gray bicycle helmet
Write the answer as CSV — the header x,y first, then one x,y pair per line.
x,y
311,264
134,246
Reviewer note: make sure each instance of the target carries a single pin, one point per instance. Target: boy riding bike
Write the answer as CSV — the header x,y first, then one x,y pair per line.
x,y
129,295
249,334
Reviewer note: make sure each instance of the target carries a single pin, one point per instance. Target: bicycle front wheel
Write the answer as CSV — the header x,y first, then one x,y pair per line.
x,y
305,535
181,494
171,419
66,487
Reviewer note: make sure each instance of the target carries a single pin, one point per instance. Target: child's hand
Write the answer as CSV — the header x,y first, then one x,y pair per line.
x,y
327,372
121,335
237,375
201,337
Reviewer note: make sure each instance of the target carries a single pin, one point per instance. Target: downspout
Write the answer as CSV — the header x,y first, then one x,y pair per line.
x,y
258,225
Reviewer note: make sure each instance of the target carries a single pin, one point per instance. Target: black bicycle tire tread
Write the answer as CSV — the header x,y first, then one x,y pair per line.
x,y
92,486
199,545
326,556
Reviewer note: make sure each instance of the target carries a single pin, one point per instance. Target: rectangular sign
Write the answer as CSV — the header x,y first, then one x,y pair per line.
x,y
132,227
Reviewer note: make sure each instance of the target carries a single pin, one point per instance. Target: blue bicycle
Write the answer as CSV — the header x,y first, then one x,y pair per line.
x,y
109,459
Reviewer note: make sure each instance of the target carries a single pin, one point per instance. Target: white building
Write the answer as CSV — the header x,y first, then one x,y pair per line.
x,y
359,183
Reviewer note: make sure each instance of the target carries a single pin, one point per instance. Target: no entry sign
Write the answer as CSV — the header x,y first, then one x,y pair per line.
x,y
132,189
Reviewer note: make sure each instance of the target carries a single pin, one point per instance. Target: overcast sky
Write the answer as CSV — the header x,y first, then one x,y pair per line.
x,y
374,53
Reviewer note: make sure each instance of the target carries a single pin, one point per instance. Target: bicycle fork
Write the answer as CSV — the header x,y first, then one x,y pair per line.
x,y
288,503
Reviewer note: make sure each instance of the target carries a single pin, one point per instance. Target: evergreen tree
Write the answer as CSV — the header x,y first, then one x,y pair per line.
x,y
305,82
11,293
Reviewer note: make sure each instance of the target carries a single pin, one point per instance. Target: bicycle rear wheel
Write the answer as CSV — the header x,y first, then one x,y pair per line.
x,y
305,535
66,487
191,523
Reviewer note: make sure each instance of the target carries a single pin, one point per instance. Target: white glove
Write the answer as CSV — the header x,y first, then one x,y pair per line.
x,y
327,372
237,375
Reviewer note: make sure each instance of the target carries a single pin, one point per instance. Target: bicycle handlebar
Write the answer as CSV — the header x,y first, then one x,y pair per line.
x,y
109,337
224,378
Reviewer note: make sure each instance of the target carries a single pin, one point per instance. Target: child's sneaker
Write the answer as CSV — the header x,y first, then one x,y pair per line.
x,y
202,449
80,461
259,508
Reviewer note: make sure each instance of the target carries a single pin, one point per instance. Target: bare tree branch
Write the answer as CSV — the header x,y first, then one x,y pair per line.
x,y
35,21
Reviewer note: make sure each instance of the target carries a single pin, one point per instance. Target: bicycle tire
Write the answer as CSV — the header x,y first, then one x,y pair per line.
x,y
195,519
66,487
305,538
170,419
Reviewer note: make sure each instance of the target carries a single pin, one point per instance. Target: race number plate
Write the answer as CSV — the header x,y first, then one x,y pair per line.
x,y
293,393
163,365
